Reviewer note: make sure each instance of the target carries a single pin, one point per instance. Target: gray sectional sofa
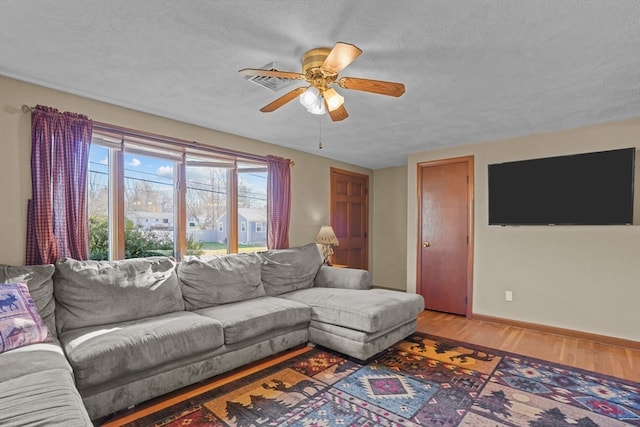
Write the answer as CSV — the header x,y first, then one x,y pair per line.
x,y
128,331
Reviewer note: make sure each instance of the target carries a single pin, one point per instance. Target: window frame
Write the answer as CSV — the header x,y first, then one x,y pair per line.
x,y
182,153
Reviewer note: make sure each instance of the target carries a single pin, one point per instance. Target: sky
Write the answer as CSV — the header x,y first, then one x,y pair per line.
x,y
159,170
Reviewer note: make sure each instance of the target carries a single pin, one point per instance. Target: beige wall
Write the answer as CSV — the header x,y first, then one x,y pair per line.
x,y
389,227
309,176
584,278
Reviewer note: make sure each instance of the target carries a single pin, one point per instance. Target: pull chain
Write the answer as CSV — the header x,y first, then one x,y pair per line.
x,y
320,139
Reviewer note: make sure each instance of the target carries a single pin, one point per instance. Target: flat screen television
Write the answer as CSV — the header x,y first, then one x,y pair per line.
x,y
580,189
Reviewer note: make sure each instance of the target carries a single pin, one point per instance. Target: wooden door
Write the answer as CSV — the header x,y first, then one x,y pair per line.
x,y
446,234
350,217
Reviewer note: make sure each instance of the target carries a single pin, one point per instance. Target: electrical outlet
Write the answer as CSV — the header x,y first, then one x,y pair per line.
x,y
508,296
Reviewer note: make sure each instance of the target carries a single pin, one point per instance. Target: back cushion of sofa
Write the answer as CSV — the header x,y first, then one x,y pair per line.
x,y
287,270
38,280
215,280
91,293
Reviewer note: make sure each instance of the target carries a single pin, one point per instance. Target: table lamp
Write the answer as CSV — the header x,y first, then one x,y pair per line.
x,y
327,238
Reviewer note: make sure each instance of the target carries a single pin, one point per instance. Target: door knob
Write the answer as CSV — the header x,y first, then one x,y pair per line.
x,y
426,244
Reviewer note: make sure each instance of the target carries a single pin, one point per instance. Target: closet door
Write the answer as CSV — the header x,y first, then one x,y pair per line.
x,y
349,217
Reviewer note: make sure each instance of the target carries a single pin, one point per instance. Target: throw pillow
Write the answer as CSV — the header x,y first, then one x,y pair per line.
x,y
38,280
20,321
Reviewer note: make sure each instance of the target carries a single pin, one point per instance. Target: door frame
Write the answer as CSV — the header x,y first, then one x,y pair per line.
x,y
469,160
332,201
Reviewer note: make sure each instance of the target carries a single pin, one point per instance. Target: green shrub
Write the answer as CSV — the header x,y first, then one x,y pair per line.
x,y
138,243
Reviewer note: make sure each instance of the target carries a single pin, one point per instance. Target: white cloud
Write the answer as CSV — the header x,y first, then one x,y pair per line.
x,y
104,161
165,171
134,162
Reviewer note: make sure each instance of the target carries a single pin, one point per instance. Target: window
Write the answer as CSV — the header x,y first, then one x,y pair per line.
x,y
99,202
148,195
138,205
252,206
207,201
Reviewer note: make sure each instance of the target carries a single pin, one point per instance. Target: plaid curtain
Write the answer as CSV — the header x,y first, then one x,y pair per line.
x,y
57,220
278,202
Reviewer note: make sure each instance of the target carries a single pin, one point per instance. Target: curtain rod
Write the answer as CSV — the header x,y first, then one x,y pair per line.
x,y
26,109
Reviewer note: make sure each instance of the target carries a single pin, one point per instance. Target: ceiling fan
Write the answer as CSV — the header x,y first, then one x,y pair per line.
x,y
320,68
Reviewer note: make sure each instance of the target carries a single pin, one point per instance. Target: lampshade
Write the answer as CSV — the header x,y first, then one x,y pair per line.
x,y
312,101
326,236
309,97
334,99
318,107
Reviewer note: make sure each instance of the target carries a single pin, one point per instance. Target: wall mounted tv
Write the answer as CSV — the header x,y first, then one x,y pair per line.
x,y
580,189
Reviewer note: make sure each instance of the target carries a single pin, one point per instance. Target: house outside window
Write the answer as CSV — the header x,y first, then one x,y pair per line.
x,y
138,206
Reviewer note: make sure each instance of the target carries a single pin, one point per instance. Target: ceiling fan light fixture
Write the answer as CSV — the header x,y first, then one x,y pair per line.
x,y
318,107
312,101
333,98
309,97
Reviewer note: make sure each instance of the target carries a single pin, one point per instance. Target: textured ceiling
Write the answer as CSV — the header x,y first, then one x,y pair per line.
x,y
474,70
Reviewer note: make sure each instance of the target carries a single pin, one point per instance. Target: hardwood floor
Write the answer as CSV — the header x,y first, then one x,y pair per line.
x,y
594,356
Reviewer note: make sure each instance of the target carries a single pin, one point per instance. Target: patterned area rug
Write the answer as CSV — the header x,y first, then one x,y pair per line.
x,y
420,381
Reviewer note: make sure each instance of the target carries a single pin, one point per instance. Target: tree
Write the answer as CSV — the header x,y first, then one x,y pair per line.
x,y
550,418
244,193
206,195
554,417
443,347
241,415
144,196
496,403
269,409
98,194
249,197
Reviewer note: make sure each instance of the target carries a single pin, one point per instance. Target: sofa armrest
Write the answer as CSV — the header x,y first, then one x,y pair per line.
x,y
345,278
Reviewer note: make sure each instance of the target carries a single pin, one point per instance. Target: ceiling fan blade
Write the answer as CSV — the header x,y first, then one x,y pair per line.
x,y
340,56
289,96
338,114
375,86
250,72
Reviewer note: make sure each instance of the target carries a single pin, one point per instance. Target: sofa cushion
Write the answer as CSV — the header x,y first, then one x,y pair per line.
x,y
247,319
40,284
286,270
20,322
369,311
32,358
210,281
102,353
92,293
47,398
